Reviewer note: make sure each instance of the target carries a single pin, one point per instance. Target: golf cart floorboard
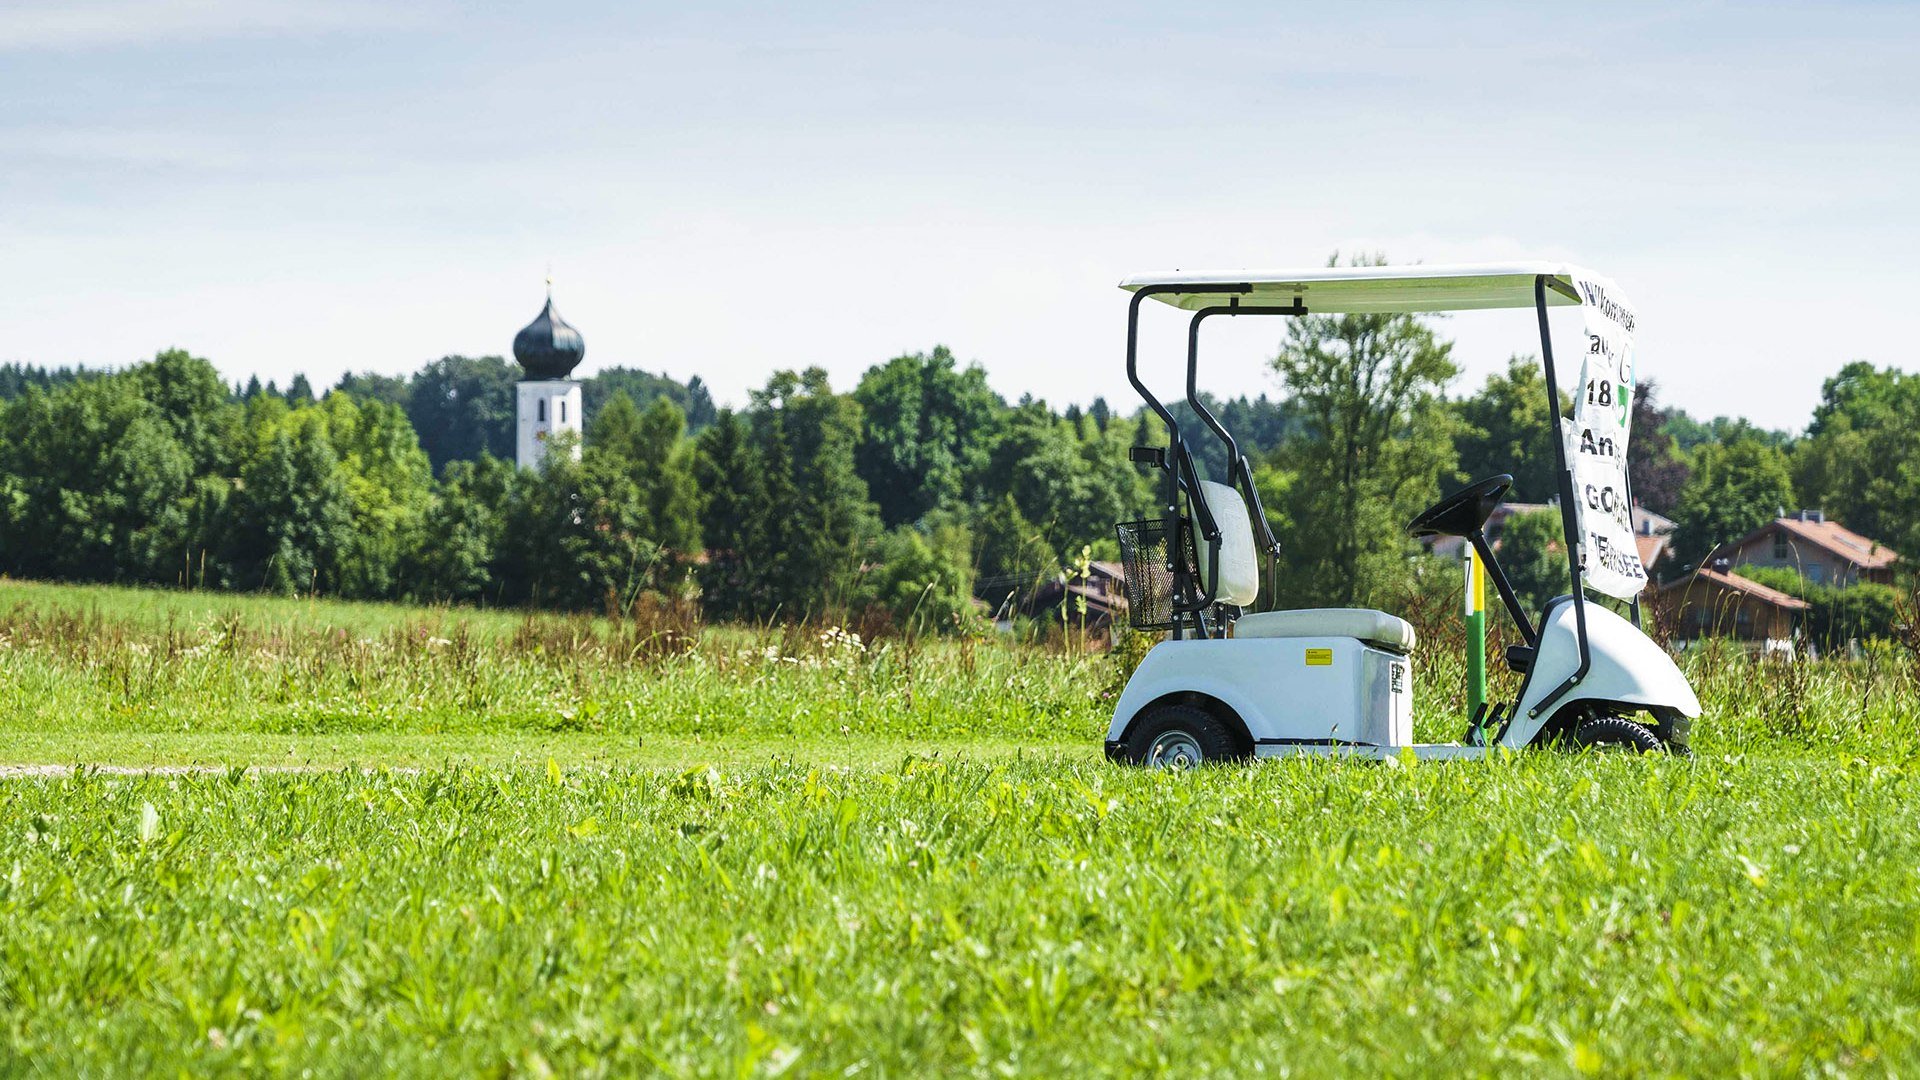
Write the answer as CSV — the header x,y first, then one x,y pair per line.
x,y
1365,752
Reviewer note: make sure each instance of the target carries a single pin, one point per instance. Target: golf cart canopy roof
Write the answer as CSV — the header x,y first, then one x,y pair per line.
x,y
1367,289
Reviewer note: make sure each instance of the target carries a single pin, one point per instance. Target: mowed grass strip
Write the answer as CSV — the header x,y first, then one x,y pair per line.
x,y
1541,915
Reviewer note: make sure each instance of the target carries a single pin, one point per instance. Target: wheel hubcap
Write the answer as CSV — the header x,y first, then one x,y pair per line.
x,y
1174,750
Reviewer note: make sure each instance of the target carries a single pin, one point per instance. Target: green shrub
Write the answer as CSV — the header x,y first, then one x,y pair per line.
x,y
924,580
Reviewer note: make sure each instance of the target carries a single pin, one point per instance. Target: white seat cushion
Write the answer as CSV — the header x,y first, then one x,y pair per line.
x,y
1239,568
1373,627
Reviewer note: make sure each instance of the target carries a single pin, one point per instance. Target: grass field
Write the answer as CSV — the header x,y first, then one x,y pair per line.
x,y
495,844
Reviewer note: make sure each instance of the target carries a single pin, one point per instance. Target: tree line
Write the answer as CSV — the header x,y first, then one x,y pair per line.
x,y
905,495
919,492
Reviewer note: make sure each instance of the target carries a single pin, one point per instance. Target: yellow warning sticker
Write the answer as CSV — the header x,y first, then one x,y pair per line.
x,y
1319,657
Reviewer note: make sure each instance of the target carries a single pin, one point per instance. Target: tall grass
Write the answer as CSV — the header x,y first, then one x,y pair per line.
x,y
114,661
101,660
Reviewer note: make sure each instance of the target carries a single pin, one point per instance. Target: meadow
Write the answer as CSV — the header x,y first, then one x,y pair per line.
x,y
454,842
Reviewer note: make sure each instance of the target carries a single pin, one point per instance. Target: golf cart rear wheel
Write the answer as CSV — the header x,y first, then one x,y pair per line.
x,y
1615,735
1179,737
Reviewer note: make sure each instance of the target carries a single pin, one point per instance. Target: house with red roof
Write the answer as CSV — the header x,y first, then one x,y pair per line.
x,y
1720,603
1823,552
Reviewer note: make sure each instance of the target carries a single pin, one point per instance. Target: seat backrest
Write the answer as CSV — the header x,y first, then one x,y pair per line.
x,y
1239,566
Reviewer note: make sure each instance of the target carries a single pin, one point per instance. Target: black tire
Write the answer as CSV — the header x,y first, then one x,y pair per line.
x,y
1614,734
1180,737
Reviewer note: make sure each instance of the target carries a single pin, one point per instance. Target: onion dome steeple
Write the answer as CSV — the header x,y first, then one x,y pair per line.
x,y
548,348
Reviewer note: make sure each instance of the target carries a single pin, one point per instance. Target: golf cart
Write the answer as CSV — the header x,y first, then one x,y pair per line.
x,y
1230,683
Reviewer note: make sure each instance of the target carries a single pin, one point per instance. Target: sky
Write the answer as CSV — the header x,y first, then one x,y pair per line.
x,y
727,189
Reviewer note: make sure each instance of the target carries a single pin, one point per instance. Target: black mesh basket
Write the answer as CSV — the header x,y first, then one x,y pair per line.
x,y
1144,554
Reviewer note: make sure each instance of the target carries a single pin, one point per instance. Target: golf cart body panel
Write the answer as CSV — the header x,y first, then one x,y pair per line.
x,y
1625,668
1321,691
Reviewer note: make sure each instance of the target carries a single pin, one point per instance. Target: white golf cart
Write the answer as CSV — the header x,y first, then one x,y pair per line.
x,y
1232,683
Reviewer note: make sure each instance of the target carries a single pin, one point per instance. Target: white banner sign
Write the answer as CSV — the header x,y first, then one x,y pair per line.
x,y
1597,442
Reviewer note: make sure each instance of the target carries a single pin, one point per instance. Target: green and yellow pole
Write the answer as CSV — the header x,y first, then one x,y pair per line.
x,y
1475,610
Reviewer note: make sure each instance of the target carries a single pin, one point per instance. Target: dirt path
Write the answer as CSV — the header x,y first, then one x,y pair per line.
x,y
59,772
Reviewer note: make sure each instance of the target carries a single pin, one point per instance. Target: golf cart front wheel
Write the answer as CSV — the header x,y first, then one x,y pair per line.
x,y
1179,737
1615,735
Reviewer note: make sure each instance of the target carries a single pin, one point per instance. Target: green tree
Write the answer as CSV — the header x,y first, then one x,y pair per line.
x,y
390,489
819,519
1860,460
652,445
616,428
1375,440
1690,434
1072,483
576,535
926,430
291,516
1010,555
1275,483
1259,426
96,485
732,477
373,386
924,579
17,378
662,468
1655,467
187,393
1735,487
1533,554
643,388
463,531
1505,428
461,406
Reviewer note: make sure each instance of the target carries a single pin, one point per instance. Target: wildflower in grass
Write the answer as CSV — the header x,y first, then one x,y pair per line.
x,y
838,638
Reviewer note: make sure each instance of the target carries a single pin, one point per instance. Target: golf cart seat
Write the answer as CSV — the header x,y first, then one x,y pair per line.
x,y
1240,585
1239,582
1373,627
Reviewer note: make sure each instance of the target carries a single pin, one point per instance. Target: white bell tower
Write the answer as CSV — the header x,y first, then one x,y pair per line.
x,y
547,403
545,408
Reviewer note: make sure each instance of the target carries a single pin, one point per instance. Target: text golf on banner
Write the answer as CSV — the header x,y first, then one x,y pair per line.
x,y
1597,442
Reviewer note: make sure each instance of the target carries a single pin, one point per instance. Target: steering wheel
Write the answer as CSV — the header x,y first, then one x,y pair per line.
x,y
1463,512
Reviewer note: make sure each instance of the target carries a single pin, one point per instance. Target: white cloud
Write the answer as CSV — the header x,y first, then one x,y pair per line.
x,y
90,24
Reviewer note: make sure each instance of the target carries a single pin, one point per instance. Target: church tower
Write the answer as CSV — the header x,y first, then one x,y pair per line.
x,y
547,402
